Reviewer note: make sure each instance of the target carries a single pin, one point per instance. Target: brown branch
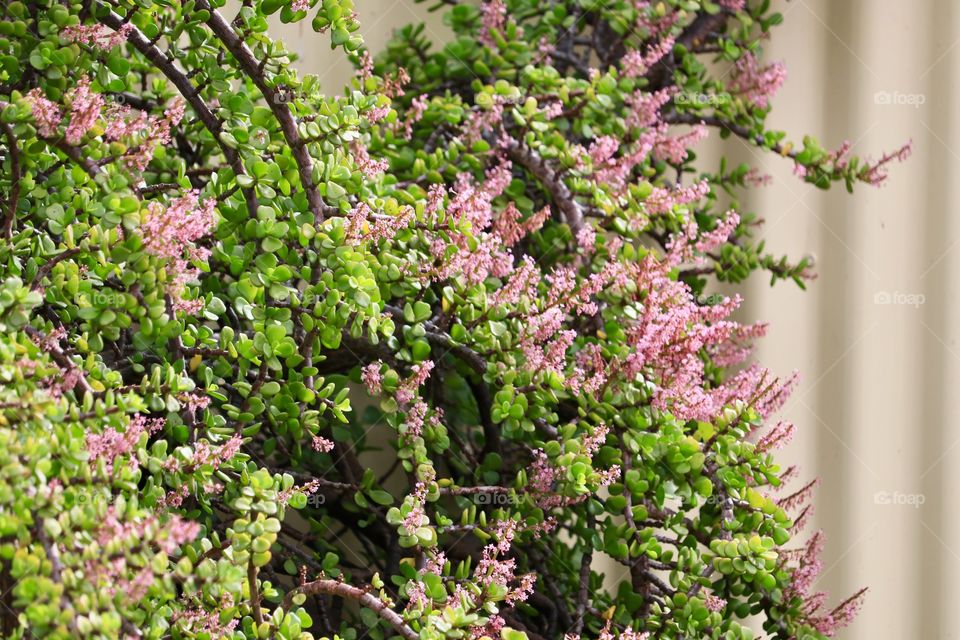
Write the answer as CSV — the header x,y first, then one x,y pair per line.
x,y
15,177
288,124
156,188
737,130
366,599
48,266
254,592
61,358
583,594
560,192
189,93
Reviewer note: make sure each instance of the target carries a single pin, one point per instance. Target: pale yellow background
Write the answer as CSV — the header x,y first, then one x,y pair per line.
x,y
877,405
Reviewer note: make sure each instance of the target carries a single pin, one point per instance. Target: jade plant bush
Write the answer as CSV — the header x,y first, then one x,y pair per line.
x,y
434,355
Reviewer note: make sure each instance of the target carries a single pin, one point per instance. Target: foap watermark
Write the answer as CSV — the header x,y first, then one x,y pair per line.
x,y
701,99
712,299
495,499
108,298
285,95
899,499
899,99
901,298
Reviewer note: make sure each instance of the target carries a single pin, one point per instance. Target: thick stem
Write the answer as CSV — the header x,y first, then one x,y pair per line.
x,y
563,198
366,599
254,592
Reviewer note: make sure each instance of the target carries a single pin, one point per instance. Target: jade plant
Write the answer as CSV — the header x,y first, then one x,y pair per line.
x,y
438,354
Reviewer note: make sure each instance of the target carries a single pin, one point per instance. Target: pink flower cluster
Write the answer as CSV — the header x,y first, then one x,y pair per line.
x,y
493,18
876,173
543,475
142,132
754,83
46,113
417,108
171,233
97,36
807,570
199,621
166,537
714,603
362,224
636,64
369,167
205,454
194,402
111,444
492,569
371,377
321,444
613,164
733,5
85,108
472,247
417,517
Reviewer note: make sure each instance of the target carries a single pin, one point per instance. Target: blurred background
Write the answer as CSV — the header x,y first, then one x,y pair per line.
x,y
875,336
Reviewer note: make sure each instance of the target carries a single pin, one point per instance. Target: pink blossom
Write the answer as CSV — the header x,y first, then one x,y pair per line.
x,y
493,18
366,65
97,36
511,230
676,149
779,436
172,233
733,5
636,64
85,107
755,178
370,375
321,444
714,603
308,488
199,621
521,284
407,388
543,475
205,454
157,132
363,224
195,402
111,444
378,113
876,173
416,595
754,83
393,85
664,200
416,517
45,112
645,107
124,121
416,415
417,108
369,167
800,497
436,196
